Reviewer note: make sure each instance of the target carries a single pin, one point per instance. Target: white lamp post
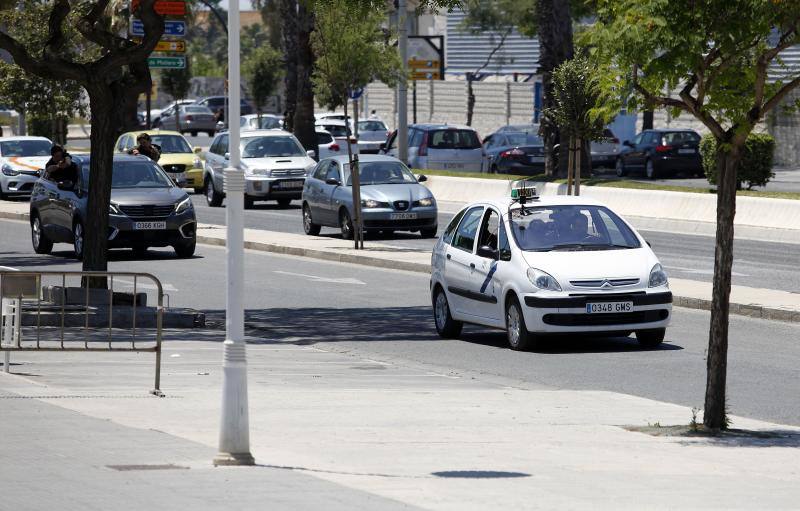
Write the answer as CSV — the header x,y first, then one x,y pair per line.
x,y
234,434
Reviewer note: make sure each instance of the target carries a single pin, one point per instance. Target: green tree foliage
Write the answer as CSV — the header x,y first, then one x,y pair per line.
x,y
176,83
351,51
578,110
755,169
717,54
263,72
49,104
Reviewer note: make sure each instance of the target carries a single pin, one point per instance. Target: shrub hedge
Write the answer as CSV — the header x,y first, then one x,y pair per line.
x,y
755,169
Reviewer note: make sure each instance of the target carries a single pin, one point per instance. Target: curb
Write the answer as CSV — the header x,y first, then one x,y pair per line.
x,y
752,311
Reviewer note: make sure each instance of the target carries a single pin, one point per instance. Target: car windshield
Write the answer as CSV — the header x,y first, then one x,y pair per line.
x,y
267,123
679,137
371,126
196,109
336,130
454,139
381,173
133,174
171,144
570,227
524,139
25,148
270,147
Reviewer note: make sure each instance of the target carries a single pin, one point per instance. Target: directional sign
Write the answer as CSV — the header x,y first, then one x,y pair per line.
x,y
166,62
171,47
172,28
421,74
355,93
165,7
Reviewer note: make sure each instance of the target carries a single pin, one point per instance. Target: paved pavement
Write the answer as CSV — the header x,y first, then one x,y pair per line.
x,y
785,180
386,315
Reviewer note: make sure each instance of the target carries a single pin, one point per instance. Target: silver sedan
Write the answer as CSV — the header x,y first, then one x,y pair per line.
x,y
392,199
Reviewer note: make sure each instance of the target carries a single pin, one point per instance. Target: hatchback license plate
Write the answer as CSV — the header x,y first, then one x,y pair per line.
x,y
289,184
403,216
686,151
537,159
150,226
608,307
450,165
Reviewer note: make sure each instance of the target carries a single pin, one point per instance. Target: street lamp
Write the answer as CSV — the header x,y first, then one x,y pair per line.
x,y
234,434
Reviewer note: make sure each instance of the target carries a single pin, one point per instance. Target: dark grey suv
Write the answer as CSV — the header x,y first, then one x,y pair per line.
x,y
146,210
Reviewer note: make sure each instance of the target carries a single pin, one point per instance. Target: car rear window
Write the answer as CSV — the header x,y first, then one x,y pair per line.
x,y
371,126
453,139
196,110
524,139
679,137
336,130
324,138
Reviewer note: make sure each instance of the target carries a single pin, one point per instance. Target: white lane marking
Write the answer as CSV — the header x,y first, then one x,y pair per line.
x,y
701,272
8,268
145,285
315,278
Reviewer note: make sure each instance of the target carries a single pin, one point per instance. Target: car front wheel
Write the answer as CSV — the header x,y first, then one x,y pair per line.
x,y
620,168
41,243
651,338
78,240
346,225
446,326
213,197
185,250
309,227
519,338
650,170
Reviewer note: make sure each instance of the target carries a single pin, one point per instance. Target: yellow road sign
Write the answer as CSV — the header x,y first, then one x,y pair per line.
x,y
171,47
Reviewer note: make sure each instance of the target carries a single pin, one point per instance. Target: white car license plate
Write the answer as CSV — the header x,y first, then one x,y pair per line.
x,y
289,184
451,165
537,159
403,216
608,307
686,151
149,226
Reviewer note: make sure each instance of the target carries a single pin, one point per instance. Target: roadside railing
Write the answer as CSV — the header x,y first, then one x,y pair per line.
x,y
52,311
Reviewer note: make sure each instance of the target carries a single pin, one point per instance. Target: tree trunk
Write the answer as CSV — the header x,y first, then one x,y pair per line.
x,y
714,416
647,119
470,99
304,115
288,9
555,47
105,125
579,165
570,164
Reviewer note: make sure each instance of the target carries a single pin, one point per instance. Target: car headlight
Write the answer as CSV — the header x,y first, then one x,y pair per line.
x,y
371,203
198,163
543,280
113,209
8,171
427,201
248,171
183,205
658,277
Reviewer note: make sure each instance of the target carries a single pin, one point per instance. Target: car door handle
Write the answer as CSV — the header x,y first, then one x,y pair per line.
x,y
472,265
449,256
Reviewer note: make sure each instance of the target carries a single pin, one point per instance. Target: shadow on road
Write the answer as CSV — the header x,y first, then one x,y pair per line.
x,y
61,257
397,324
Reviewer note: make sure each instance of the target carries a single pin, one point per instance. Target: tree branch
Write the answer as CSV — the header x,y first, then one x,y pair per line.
x,y
774,100
497,47
153,30
53,70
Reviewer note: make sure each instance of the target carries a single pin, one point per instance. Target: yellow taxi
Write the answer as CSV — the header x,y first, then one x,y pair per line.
x,y
178,158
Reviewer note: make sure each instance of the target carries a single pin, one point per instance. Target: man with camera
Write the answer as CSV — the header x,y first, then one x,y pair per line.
x,y
146,147
61,169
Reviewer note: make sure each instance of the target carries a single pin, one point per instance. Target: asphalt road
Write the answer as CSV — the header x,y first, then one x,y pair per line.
x,y
385,315
756,263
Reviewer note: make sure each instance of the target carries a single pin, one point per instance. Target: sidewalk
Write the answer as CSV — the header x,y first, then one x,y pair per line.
x,y
755,302
338,430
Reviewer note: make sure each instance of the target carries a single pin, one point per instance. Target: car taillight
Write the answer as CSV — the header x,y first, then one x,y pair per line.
x,y
189,118
663,148
615,140
514,153
335,147
423,146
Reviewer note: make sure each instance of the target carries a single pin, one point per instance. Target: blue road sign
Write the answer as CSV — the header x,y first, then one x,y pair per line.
x,y
355,93
172,28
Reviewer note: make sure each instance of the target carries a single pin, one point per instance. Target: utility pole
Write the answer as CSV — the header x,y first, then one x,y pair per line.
x,y
234,434
402,87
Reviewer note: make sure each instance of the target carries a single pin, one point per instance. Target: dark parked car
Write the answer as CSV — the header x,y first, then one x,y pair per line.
x,y
515,153
661,152
146,209
217,102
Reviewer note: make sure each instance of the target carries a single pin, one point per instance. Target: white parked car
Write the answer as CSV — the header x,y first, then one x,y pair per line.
x,y
275,167
265,122
21,160
340,131
547,265
442,147
328,146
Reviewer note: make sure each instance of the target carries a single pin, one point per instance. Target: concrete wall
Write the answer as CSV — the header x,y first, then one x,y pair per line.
x,y
785,127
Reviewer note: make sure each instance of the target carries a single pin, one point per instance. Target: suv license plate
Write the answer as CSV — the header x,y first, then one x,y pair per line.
x,y
403,216
289,184
686,151
149,226
608,307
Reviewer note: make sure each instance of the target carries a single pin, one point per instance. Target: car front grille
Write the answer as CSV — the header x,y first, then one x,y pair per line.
x,y
148,211
175,169
401,205
621,318
399,224
601,283
288,173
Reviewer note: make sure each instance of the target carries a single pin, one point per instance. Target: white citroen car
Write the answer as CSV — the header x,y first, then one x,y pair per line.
x,y
21,159
538,266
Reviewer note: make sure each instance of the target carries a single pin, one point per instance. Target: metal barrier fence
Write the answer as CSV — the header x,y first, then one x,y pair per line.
x,y
41,312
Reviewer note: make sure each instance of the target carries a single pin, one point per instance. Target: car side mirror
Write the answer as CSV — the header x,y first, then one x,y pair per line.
x,y
332,181
227,156
628,143
422,178
311,154
488,252
198,150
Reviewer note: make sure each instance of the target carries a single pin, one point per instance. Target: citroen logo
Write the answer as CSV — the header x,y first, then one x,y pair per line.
x,y
606,284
